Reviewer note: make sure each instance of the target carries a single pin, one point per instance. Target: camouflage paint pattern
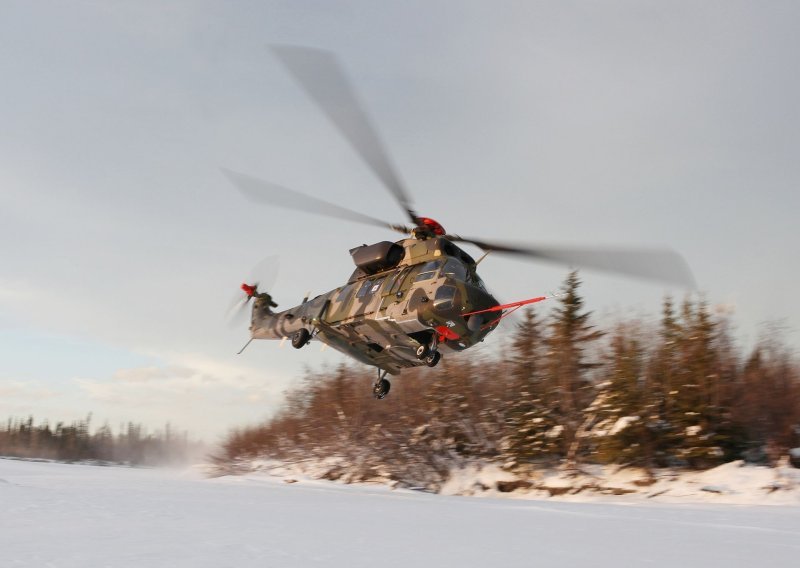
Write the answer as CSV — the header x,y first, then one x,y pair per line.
x,y
382,319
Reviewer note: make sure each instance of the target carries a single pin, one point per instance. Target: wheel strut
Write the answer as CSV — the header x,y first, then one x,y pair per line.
x,y
426,350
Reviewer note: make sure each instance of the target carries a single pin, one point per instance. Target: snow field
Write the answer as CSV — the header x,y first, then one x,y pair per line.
x,y
64,516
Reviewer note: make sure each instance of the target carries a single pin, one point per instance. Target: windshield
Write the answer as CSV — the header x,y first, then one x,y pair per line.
x,y
428,271
454,268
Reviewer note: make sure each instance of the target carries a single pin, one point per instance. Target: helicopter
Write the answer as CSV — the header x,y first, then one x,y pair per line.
x,y
407,302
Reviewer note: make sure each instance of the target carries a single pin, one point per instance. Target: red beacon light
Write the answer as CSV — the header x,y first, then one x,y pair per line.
x,y
433,226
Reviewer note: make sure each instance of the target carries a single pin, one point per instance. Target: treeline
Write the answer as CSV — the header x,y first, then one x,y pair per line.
x,y
132,444
679,393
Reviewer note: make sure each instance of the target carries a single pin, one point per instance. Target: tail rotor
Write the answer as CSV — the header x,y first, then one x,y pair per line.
x,y
262,277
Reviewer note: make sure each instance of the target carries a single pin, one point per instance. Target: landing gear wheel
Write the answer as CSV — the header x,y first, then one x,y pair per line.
x,y
300,338
426,350
381,389
433,359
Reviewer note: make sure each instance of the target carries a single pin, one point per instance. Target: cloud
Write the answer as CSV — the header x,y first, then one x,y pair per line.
x,y
153,373
192,392
196,380
12,292
15,389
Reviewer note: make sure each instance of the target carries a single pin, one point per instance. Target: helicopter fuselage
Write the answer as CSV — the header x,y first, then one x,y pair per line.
x,y
403,301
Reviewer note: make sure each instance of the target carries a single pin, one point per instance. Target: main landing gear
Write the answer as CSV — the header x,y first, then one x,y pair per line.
x,y
429,353
433,359
381,387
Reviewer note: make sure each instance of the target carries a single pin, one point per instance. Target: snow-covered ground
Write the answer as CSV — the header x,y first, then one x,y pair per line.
x,y
61,515
731,483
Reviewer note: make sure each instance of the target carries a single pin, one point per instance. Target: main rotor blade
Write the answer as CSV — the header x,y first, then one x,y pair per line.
x,y
654,264
319,74
262,191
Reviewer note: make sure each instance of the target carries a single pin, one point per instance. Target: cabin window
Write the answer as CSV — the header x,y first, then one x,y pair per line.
x,y
365,287
397,281
345,293
428,271
369,287
376,285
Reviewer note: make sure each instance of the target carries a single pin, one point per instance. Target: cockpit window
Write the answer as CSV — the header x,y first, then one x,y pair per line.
x,y
428,271
455,269
444,298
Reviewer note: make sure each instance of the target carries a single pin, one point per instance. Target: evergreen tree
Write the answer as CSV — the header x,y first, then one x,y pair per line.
x,y
526,351
692,411
566,366
662,380
529,420
625,407
768,403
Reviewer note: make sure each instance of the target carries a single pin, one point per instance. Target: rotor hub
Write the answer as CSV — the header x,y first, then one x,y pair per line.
x,y
250,290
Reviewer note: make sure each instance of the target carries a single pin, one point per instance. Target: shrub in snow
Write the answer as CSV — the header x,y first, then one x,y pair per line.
x,y
693,430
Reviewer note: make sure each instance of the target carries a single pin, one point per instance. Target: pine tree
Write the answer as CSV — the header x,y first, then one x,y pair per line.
x,y
529,420
526,351
662,383
566,366
767,408
686,370
624,406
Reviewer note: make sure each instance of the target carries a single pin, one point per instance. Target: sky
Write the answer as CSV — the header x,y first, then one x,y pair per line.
x,y
122,245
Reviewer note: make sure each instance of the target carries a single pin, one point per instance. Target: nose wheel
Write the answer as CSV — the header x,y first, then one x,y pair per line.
x,y
381,387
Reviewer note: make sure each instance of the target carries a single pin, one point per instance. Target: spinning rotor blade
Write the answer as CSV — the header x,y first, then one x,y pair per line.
x,y
262,191
653,264
265,273
319,74
237,311
263,277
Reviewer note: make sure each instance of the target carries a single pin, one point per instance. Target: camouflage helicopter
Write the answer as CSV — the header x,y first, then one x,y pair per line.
x,y
407,302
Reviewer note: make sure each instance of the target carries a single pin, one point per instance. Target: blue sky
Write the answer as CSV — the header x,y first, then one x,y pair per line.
x,y
633,123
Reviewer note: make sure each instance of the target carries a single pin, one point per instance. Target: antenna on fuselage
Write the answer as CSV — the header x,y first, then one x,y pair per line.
x,y
245,346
